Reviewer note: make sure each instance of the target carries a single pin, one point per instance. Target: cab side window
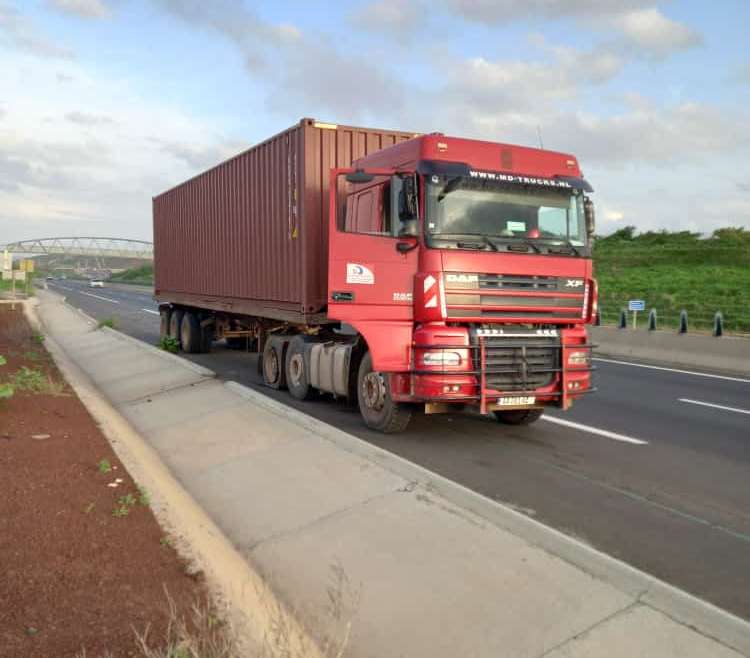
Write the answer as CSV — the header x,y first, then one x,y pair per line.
x,y
368,211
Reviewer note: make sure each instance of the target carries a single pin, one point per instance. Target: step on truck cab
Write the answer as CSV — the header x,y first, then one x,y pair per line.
x,y
458,274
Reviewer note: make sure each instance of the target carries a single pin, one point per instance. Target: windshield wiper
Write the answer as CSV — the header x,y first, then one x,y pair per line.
x,y
528,243
570,246
486,242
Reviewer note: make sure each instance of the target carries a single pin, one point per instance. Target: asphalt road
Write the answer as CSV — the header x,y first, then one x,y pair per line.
x,y
647,472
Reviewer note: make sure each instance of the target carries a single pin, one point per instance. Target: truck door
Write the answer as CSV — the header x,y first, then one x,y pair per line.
x,y
369,278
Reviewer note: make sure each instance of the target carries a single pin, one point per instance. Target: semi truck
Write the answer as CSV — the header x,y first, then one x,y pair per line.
x,y
401,271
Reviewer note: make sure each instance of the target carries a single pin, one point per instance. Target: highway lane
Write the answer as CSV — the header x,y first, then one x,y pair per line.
x,y
675,503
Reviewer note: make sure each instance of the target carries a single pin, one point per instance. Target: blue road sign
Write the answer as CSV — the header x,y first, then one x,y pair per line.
x,y
636,305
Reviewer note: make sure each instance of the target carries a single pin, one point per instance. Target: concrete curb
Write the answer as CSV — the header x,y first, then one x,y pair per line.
x,y
680,606
255,611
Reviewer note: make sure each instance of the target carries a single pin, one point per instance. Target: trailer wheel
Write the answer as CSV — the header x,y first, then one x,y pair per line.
x,y
273,364
175,325
297,374
378,410
207,338
165,315
190,333
519,416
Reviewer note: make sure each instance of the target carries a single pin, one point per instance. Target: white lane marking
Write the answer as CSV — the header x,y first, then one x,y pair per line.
x,y
148,310
715,406
595,430
684,372
106,299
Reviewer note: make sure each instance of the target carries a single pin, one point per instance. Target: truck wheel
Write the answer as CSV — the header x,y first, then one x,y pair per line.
x,y
297,375
379,411
165,315
190,333
519,417
273,364
207,338
175,325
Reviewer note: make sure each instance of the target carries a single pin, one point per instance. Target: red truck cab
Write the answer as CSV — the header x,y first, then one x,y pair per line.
x,y
465,266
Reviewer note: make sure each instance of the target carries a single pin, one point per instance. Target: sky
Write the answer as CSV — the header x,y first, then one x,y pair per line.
x,y
106,103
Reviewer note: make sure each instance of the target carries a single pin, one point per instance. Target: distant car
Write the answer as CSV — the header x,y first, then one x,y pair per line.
x,y
49,277
96,283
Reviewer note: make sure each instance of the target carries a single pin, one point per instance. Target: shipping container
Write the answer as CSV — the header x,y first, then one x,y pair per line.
x,y
249,236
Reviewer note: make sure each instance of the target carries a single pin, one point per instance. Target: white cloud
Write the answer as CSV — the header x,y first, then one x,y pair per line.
x,y
81,8
88,119
494,12
509,87
654,35
69,170
392,17
308,70
235,22
19,33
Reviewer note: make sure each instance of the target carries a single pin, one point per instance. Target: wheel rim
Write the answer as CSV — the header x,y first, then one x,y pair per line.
x,y
271,366
373,391
296,369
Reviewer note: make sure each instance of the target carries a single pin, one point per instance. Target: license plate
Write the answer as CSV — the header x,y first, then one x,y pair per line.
x,y
519,401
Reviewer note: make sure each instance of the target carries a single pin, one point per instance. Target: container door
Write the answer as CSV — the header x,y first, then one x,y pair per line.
x,y
368,277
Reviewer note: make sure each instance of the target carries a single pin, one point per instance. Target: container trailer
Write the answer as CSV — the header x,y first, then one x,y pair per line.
x,y
399,270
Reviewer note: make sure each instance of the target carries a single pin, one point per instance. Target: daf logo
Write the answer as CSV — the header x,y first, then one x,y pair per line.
x,y
574,283
462,278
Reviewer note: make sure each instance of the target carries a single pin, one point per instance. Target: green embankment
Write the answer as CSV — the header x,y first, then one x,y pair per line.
x,y
676,271
139,275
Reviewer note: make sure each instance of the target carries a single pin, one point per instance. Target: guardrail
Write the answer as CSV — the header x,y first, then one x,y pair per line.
x,y
682,321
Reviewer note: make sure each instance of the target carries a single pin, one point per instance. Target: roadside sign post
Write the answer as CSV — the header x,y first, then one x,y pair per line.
x,y
636,305
27,265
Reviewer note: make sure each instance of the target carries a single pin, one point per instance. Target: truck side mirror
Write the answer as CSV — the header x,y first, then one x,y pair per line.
x,y
590,216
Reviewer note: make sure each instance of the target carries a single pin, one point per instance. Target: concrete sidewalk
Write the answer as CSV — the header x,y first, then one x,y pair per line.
x,y
441,571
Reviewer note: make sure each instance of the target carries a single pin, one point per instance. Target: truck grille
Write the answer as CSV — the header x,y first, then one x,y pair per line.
x,y
519,364
514,296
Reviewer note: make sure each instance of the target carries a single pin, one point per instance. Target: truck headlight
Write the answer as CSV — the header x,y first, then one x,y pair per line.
x,y
578,358
440,358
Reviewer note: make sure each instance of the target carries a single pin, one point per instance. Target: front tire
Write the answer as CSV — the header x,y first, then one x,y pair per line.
x,y
378,409
519,416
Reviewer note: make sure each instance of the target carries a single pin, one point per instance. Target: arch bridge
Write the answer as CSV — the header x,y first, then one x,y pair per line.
x,y
86,246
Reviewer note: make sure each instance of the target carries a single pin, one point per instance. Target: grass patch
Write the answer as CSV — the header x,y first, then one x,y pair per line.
x,y
169,344
107,322
6,390
143,275
104,466
34,380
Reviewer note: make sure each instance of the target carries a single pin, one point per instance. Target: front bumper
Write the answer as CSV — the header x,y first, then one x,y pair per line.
x,y
503,372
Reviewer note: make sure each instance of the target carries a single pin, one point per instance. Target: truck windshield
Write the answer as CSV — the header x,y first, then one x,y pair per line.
x,y
542,219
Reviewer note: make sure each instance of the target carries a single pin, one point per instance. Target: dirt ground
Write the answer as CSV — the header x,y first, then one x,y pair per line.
x,y
82,562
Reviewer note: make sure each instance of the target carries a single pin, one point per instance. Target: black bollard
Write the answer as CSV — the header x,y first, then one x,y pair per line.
x,y
683,322
718,324
652,320
623,319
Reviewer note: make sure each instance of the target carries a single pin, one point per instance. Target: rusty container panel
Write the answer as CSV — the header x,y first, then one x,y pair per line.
x,y
250,235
